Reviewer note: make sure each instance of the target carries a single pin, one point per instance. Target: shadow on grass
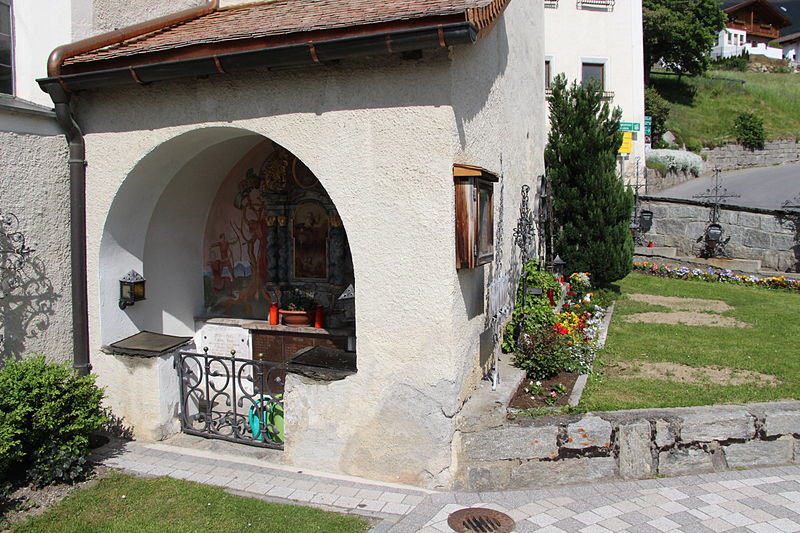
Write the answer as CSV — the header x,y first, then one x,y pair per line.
x,y
675,90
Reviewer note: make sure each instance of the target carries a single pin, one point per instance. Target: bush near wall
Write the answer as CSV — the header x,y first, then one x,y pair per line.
x,y
676,161
47,413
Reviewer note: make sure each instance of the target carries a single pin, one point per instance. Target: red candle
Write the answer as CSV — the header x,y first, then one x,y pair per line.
x,y
551,296
273,314
319,317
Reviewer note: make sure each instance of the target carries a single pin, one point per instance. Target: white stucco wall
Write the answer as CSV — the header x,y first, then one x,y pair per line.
x,y
34,185
574,35
502,132
382,136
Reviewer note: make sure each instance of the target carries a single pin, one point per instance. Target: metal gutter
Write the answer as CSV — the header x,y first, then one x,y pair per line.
x,y
62,53
294,55
77,209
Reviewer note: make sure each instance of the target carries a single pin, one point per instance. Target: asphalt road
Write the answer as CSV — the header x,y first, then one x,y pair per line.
x,y
765,187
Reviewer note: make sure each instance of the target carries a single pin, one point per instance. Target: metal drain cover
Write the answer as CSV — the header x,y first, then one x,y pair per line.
x,y
480,520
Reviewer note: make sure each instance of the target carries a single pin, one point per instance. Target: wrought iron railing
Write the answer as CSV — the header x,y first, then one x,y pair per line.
x,y
231,398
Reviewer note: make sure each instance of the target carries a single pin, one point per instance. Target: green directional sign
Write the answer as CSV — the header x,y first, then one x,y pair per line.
x,y
629,126
648,120
647,129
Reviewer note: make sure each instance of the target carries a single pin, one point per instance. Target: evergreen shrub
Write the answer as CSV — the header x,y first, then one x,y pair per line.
x,y
656,107
749,131
47,413
591,205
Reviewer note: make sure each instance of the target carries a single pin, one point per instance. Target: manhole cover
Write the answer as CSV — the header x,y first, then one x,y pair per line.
x,y
480,520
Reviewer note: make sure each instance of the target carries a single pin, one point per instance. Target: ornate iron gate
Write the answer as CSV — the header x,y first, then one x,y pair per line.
x,y
230,398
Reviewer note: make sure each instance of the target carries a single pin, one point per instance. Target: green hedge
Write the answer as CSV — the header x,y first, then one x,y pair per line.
x,y
47,413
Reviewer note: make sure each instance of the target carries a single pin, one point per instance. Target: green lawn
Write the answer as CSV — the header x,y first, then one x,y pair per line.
x,y
127,504
703,109
769,347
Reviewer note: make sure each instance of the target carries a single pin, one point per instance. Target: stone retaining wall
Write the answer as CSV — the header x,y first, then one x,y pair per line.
x,y
733,156
770,236
537,452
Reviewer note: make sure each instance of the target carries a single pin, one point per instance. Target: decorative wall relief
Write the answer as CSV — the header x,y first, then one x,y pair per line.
x,y
310,233
271,226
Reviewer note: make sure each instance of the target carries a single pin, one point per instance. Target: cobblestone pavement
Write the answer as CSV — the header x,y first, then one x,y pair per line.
x,y
762,500
753,501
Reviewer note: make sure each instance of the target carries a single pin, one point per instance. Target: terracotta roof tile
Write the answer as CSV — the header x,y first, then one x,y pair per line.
x,y
278,17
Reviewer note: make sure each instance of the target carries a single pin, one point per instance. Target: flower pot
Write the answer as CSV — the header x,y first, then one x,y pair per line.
x,y
296,318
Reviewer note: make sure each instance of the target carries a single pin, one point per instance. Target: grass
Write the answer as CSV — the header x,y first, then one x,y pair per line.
x,y
122,503
769,347
703,109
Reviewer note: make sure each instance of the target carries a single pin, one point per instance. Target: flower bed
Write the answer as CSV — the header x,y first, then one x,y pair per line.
x,y
710,274
556,351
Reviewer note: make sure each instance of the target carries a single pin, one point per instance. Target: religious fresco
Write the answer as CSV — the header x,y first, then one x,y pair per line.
x,y
271,226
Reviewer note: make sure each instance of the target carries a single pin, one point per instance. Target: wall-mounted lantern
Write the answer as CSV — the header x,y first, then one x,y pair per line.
x,y
714,233
558,266
131,289
645,221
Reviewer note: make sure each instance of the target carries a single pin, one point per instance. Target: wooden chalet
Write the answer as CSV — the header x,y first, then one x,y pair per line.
x,y
759,18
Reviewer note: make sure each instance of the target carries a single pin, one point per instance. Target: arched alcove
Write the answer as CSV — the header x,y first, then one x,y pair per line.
x,y
165,223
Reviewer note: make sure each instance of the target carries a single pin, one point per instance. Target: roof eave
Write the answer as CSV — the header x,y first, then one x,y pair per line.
x,y
292,55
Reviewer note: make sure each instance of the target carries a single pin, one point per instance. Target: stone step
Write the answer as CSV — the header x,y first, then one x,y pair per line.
x,y
656,251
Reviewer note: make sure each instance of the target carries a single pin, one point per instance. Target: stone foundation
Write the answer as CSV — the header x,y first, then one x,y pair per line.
x,y
536,452
770,236
733,156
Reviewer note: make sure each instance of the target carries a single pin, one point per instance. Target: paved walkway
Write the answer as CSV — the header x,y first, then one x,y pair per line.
x,y
750,501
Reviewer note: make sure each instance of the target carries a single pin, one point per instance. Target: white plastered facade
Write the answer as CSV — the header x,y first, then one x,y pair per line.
x,y
382,135
576,33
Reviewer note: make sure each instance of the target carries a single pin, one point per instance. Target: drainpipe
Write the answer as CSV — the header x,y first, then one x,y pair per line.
x,y
77,211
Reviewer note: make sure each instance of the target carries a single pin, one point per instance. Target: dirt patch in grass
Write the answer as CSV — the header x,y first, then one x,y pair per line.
x,y
683,304
688,318
688,374
686,311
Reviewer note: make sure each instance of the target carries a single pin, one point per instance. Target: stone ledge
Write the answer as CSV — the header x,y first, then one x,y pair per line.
x,y
633,444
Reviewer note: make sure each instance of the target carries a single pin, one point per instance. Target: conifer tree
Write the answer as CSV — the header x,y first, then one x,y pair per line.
x,y
591,205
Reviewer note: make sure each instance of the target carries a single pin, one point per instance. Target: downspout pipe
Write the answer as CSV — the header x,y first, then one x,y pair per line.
x,y
77,211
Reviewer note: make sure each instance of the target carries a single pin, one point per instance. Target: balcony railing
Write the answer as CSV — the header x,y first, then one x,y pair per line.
x,y
607,5
759,30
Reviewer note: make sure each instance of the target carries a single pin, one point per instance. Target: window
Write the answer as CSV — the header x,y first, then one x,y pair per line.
x,y
546,74
593,71
6,48
474,215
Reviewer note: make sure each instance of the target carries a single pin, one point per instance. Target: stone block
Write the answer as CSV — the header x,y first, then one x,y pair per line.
x,y
512,442
635,457
760,453
496,476
725,217
750,220
588,432
706,425
755,238
582,470
782,242
781,423
687,461
665,434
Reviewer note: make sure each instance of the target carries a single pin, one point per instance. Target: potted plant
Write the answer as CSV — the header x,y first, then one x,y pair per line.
x,y
298,308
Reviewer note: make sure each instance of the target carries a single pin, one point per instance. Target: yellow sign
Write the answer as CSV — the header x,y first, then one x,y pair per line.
x,y
627,142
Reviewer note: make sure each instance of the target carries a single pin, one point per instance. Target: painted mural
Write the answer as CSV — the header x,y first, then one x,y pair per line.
x,y
269,228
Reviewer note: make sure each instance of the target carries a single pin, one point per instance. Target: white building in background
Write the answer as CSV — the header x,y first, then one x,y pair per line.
x,y
732,42
790,45
601,39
